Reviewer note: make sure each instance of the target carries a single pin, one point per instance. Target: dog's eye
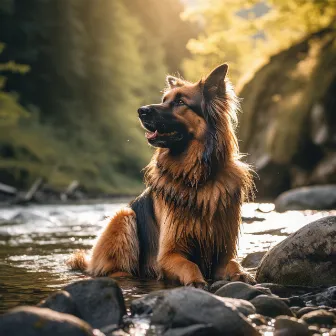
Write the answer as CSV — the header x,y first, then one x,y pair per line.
x,y
179,102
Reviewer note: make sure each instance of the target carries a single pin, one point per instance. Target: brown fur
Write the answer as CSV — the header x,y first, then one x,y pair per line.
x,y
196,202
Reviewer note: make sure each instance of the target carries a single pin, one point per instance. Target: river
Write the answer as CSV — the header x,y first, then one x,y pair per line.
x,y
35,242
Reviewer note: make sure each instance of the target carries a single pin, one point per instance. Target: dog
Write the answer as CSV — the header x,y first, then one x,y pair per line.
x,y
185,225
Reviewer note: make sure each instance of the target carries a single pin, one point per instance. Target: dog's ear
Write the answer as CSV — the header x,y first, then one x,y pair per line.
x,y
214,85
174,82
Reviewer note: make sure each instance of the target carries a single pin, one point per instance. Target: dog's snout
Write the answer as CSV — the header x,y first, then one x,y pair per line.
x,y
144,111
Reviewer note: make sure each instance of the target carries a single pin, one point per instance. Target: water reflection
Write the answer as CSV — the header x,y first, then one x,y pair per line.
x,y
35,242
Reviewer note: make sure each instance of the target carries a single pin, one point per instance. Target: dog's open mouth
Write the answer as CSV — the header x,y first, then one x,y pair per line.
x,y
152,135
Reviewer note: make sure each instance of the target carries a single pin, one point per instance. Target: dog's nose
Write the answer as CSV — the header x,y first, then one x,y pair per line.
x,y
144,111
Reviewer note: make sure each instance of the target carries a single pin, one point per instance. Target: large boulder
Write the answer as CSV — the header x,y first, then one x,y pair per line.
x,y
34,321
306,257
311,198
186,306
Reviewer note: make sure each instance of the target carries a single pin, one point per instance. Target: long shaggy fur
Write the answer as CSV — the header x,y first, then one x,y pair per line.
x,y
185,225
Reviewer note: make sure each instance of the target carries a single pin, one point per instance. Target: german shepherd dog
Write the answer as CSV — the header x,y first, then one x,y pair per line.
x,y
185,225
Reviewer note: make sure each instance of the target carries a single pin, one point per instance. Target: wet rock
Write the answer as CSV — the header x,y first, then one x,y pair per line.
x,y
257,319
307,198
241,290
34,321
289,326
320,317
145,304
296,301
270,306
306,310
332,332
185,307
99,301
302,256
326,297
253,259
295,310
194,330
61,302
218,284
286,291
244,307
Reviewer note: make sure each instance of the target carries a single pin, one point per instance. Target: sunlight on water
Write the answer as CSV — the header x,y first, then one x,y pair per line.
x,y
36,241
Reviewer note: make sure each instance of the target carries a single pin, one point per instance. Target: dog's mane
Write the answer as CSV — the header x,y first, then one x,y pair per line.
x,y
205,183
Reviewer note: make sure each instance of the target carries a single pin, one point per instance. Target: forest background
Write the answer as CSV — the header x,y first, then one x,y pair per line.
x,y
73,73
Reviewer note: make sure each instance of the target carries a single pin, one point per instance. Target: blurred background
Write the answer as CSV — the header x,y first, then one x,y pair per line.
x,y
74,72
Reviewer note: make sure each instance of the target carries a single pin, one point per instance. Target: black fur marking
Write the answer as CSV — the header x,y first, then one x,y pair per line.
x,y
148,232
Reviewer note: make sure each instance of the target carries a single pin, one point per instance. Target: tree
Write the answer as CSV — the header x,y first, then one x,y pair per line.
x,y
246,32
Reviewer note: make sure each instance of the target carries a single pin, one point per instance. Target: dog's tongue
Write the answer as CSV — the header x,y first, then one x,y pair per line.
x,y
151,135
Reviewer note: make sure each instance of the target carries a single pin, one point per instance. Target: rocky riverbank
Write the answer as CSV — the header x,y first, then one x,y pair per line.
x,y
97,307
295,306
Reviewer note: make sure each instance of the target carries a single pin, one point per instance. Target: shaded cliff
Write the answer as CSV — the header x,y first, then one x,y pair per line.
x,y
288,124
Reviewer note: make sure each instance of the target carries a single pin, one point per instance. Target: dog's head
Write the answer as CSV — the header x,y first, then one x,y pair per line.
x,y
185,112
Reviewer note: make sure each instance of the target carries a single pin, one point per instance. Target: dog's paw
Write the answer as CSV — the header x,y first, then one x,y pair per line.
x,y
198,284
243,277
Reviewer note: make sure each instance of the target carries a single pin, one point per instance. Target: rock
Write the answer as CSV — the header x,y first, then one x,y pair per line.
x,y
145,304
296,301
186,306
307,310
99,301
302,256
257,319
332,332
61,302
34,321
286,291
253,259
295,309
270,306
194,330
288,326
218,284
307,198
241,290
244,307
320,317
325,171
326,297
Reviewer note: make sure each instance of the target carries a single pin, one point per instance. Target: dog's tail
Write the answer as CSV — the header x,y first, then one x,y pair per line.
x,y
79,261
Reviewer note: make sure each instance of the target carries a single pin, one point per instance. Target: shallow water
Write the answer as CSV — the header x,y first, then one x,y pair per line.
x,y
35,242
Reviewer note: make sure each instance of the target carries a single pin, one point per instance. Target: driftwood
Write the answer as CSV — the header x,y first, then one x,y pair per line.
x,y
33,189
6,189
29,196
70,190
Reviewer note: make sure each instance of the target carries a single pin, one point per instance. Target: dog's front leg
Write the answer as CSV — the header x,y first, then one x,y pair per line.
x,y
230,269
175,266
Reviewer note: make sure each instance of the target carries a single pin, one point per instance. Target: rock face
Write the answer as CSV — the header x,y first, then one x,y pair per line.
x,y
312,198
33,321
306,257
288,126
185,307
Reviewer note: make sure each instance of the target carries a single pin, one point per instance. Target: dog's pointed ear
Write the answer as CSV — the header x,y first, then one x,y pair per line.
x,y
214,85
174,82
